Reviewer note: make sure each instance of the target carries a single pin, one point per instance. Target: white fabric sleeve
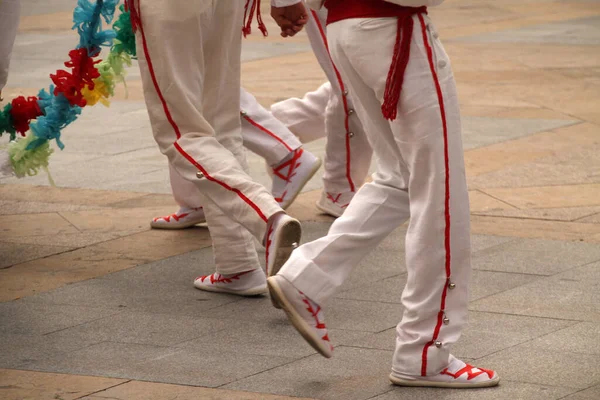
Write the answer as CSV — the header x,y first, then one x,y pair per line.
x,y
284,3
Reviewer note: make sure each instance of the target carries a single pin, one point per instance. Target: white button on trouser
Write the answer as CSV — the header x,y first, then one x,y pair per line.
x,y
261,133
190,60
410,182
347,161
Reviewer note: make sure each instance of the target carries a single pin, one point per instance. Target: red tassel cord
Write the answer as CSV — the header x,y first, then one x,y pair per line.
x,y
23,111
251,7
395,78
134,14
83,74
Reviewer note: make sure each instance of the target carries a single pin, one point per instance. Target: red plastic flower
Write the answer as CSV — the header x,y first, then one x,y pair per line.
x,y
83,73
23,111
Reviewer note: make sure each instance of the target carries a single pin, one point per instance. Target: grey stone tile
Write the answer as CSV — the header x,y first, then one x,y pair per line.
x,y
252,50
378,265
587,275
536,256
592,393
339,314
528,364
485,131
484,242
583,31
561,168
12,207
487,283
351,374
507,390
276,337
363,316
486,334
16,253
483,284
145,328
387,290
22,317
98,143
580,338
103,359
204,367
22,349
572,295
162,287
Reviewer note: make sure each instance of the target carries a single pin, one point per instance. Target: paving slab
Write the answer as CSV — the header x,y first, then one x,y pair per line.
x,y
136,390
483,284
28,348
576,32
588,394
573,296
485,131
124,290
21,317
486,333
190,367
16,253
111,359
527,364
143,328
351,374
12,207
566,214
574,339
274,337
538,257
21,385
506,390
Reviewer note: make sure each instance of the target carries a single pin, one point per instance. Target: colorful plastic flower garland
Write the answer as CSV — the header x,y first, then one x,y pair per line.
x,y
87,82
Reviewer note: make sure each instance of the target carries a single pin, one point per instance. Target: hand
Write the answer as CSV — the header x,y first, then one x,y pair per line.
x,y
291,19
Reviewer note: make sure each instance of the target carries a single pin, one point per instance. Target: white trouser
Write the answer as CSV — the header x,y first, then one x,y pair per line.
x,y
420,174
347,153
190,66
261,133
9,22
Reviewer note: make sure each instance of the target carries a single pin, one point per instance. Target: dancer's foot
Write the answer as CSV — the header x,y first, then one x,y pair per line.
x,y
248,283
334,204
306,315
290,175
458,374
283,236
184,218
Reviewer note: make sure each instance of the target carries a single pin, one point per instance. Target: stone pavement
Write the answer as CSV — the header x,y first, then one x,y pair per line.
x,y
95,305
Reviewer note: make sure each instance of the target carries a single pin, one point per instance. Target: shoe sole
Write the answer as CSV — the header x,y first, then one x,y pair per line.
x,y
312,173
172,226
248,293
327,211
423,383
297,321
285,240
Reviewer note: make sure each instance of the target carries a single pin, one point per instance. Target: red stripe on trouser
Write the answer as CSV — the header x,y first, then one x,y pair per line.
x,y
268,132
223,184
176,128
151,69
438,89
345,101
